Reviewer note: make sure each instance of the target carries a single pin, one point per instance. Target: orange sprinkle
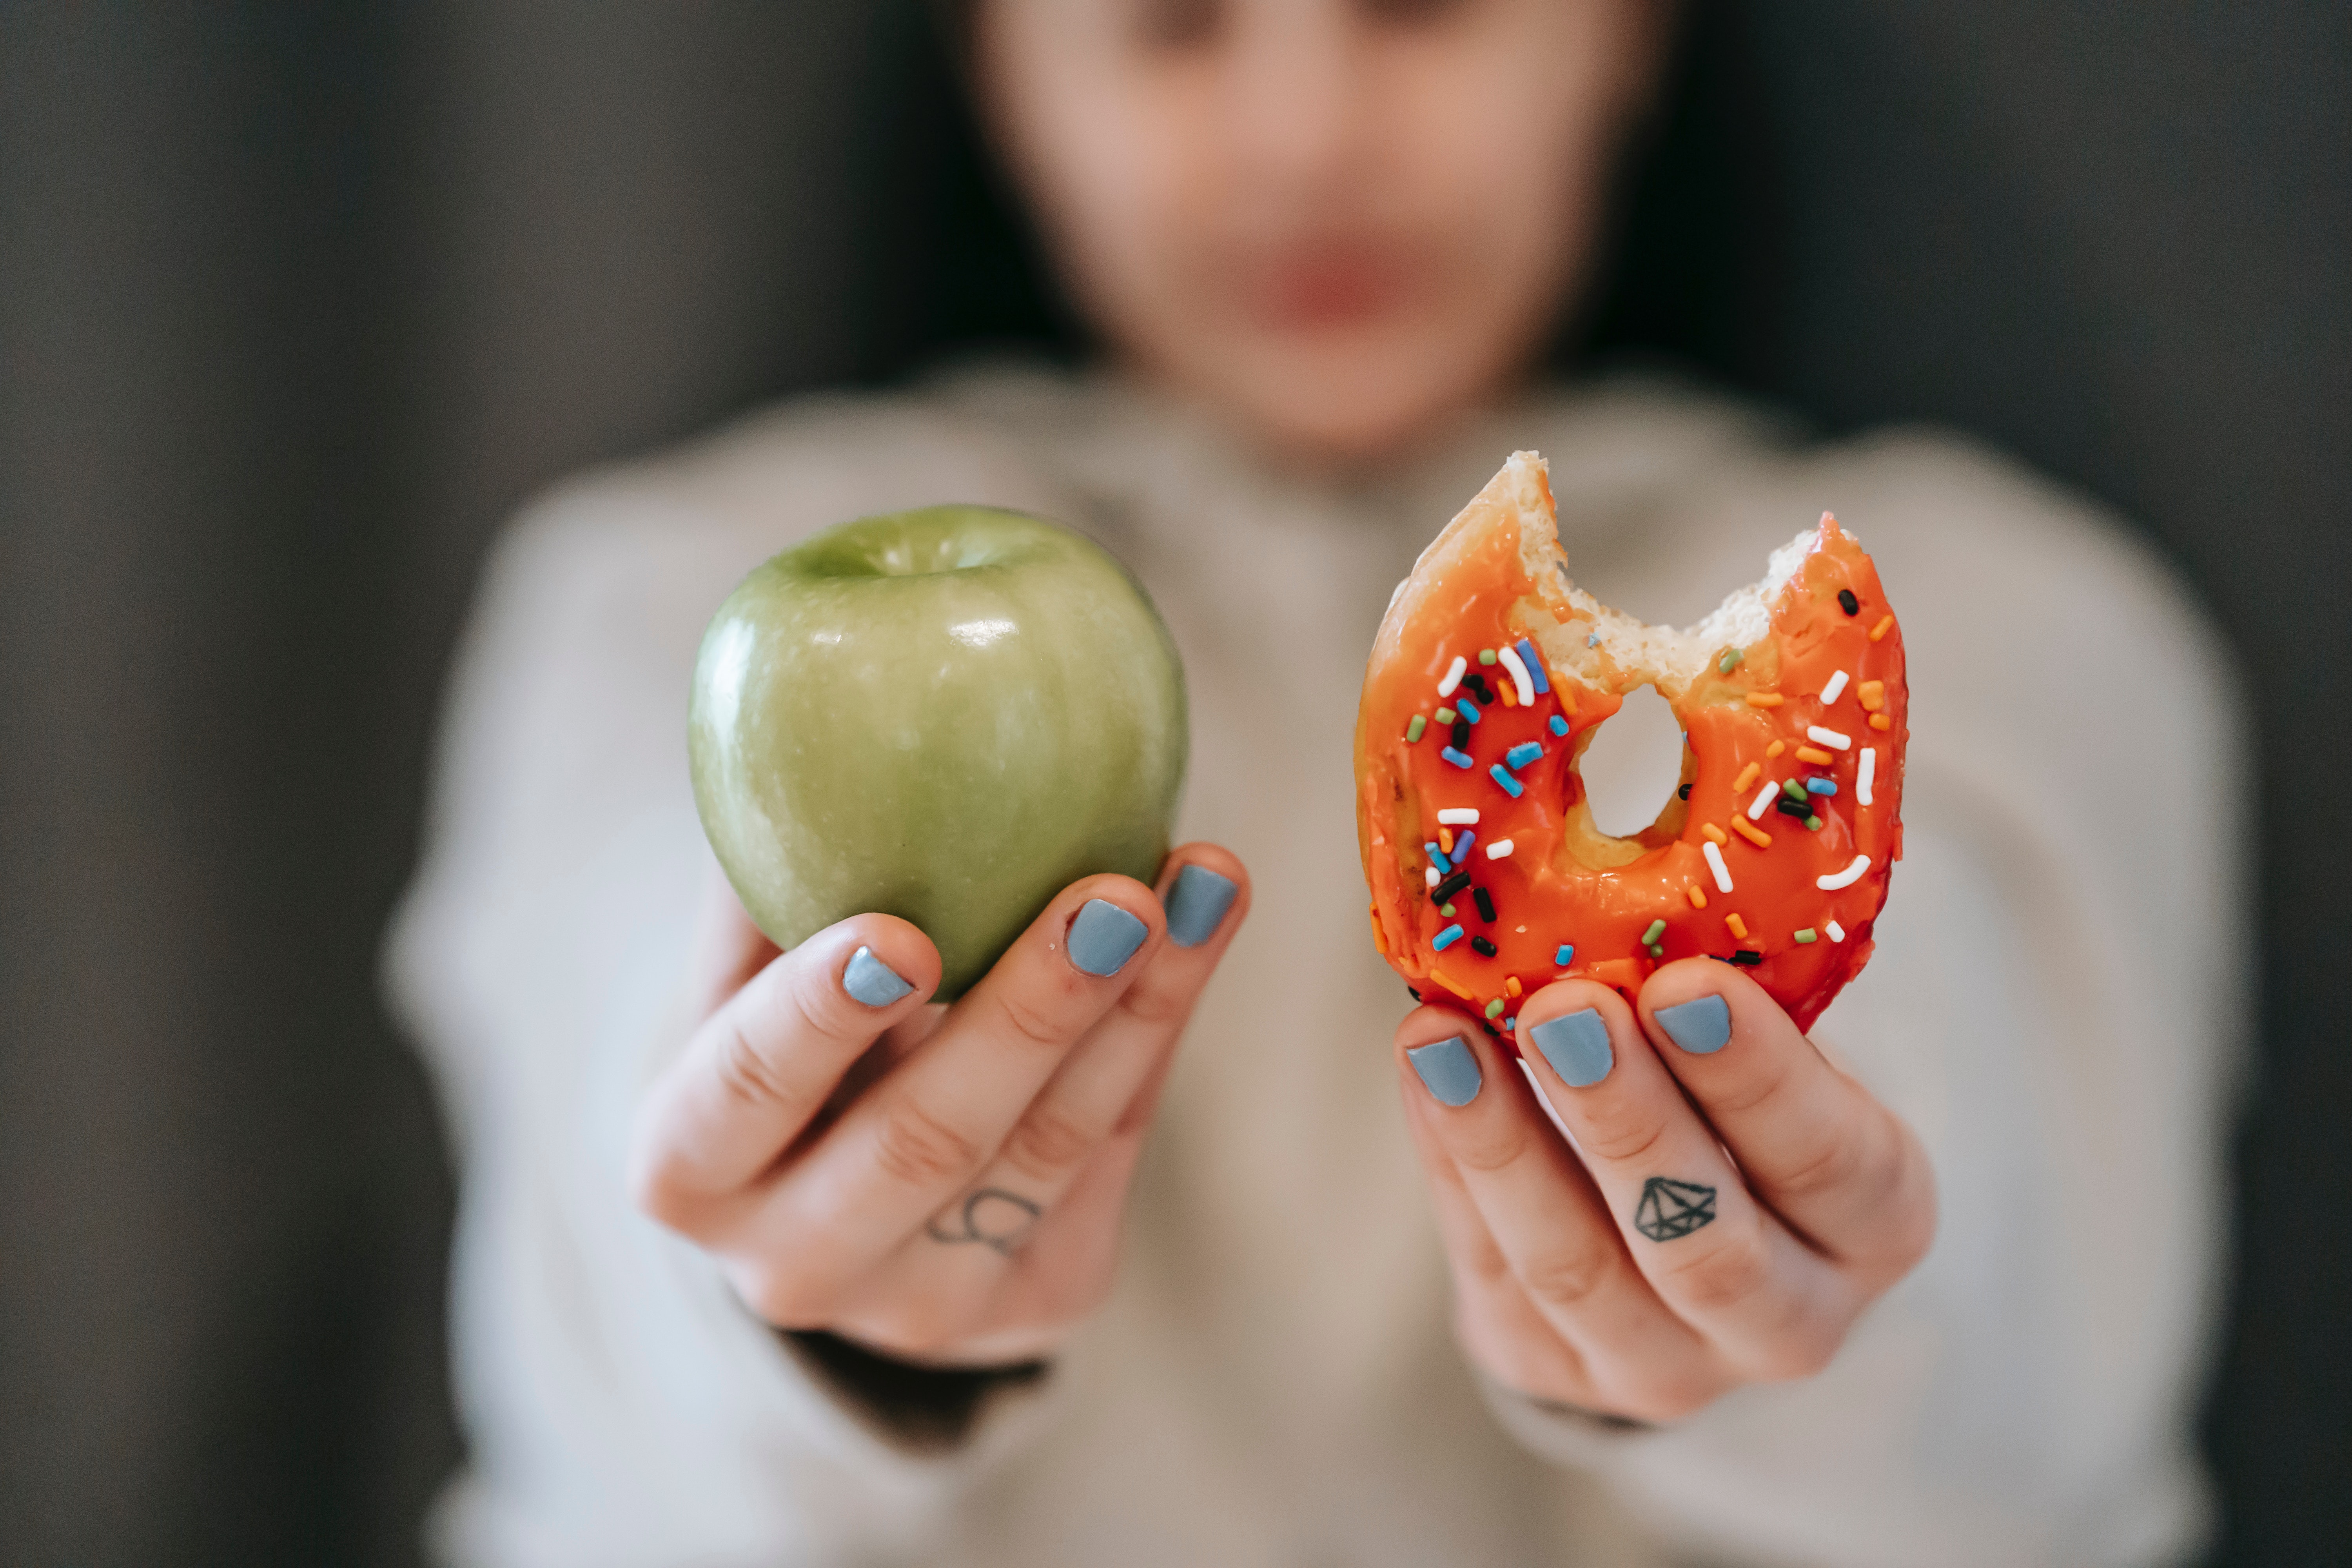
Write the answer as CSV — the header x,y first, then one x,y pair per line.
x,y
1509,690
1697,898
1814,755
1712,831
1776,748
1879,630
1881,722
1739,927
1757,836
1746,776
1510,985
1872,693
1379,937
1764,699
1445,841
1451,985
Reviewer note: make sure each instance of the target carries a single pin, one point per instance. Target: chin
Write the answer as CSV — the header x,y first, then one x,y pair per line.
x,y
1352,407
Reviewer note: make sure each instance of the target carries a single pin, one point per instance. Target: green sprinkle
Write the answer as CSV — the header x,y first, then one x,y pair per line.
x,y
1657,952
1485,656
1792,789
1494,1008
1412,730
1730,659
1657,928
1445,715
1812,824
1807,935
1445,909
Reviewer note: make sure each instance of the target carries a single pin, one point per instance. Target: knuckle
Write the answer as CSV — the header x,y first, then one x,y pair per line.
x,y
1754,1092
1628,1139
1834,1165
1489,1150
746,1075
917,1148
1567,1278
1158,1002
1725,1277
1047,1143
1029,1023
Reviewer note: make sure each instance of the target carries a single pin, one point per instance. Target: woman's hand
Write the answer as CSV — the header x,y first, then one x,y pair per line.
x,y
940,1185
1658,1272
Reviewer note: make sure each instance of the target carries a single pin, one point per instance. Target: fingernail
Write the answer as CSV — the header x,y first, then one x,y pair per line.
x,y
1701,1026
1577,1046
871,980
1196,903
1448,1069
1104,937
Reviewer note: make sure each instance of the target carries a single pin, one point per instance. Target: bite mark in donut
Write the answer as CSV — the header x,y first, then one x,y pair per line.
x,y
1490,676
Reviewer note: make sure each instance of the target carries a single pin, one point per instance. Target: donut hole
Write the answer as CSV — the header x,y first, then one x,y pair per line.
x,y
1631,763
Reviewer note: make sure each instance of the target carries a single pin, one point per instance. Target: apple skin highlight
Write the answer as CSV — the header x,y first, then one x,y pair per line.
x,y
948,715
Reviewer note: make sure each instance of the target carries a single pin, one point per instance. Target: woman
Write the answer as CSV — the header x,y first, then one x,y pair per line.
x,y
788,1269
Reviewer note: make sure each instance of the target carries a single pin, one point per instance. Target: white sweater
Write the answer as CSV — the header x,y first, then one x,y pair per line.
x,y
2057,1005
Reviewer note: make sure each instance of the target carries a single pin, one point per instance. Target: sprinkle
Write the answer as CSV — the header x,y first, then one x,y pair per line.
x,y
1477,685
1746,776
1467,708
1431,873
1445,909
1559,725
1807,934
1881,722
1494,1008
1564,956
1453,885
1747,957
1450,983
1458,815
1459,758
1822,787
1379,937
1848,602
1453,676
1796,808
1482,947
1697,898
1764,699
1879,630
1650,935
1445,715
1510,985
1837,685
1485,904
1500,850
1592,639
1683,793
1872,693
1447,937
1715,835
1837,931
1510,694
1739,927
1764,798
1446,840
1730,660
1462,846
1814,755
1714,864
1521,679
1657,952
1437,858
1511,787
1812,824
1533,666
1460,735
1412,730
1829,738
1510,1023
1845,879
1760,839
1487,656
1523,753
1866,773
1788,787
1776,748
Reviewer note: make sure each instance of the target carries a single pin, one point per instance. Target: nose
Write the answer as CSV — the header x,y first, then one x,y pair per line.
x,y
1296,99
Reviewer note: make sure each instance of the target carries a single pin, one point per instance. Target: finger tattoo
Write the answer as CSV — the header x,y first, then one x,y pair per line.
x,y
992,1217
1670,1209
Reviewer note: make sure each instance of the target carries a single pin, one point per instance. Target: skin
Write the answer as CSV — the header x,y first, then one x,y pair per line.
x,y
1340,224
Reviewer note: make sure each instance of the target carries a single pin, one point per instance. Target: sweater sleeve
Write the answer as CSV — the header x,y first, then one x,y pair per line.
x,y
623,1407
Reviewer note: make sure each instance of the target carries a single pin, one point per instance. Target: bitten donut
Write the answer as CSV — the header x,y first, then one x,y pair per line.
x,y
1491,674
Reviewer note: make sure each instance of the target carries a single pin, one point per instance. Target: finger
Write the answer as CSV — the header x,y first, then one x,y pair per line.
x,y
1547,1218
761,1066
1771,1306
1813,1144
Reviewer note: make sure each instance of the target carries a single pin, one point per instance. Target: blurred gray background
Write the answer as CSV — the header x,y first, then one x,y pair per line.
x,y
297,304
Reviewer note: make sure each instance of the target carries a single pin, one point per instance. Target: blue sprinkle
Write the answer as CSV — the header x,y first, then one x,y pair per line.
x,y
1559,725
1523,753
1462,842
1510,1023
1511,786
1821,786
1459,758
1592,639
1467,708
1437,858
1447,937
1564,956
1535,666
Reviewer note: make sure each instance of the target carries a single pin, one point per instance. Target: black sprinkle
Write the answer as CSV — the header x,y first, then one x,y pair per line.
x,y
1448,888
1477,683
1746,956
1718,958
1848,602
1461,734
1482,947
1490,1028
1485,904
1412,993
1796,808
1684,793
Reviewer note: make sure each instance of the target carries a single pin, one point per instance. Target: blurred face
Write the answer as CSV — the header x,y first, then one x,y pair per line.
x,y
1338,220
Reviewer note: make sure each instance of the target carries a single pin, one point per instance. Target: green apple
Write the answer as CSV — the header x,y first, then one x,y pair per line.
x,y
948,715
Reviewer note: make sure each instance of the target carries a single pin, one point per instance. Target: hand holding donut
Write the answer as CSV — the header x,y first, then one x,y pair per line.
x,y
943,1186
1655,1274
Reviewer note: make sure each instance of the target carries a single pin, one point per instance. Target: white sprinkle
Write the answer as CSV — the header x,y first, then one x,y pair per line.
x,y
1453,676
1431,873
1499,850
1837,931
1845,879
1512,662
1829,738
1764,798
1864,774
1714,864
1837,684
1458,815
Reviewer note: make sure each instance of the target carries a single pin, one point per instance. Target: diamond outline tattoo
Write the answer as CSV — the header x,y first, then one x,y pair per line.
x,y
1671,1209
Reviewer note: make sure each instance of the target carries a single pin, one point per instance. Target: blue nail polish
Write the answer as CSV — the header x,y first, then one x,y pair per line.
x,y
1104,937
1701,1026
1448,1069
1577,1046
871,980
1196,903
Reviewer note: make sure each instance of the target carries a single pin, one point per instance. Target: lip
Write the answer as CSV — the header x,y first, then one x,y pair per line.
x,y
1323,285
